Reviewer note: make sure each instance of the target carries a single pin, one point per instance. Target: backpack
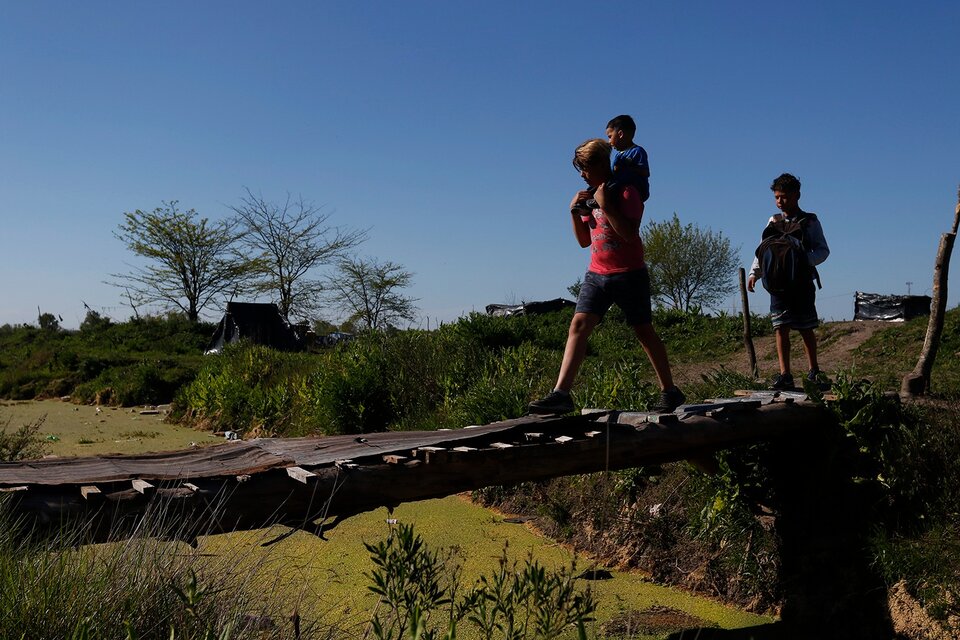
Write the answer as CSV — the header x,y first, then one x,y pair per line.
x,y
782,257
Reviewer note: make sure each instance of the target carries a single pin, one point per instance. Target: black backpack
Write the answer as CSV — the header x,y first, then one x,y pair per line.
x,y
782,256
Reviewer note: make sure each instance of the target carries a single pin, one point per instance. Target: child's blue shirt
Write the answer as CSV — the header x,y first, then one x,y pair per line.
x,y
635,156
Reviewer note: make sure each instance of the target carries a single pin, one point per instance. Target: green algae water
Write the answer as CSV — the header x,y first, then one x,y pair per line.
x,y
325,581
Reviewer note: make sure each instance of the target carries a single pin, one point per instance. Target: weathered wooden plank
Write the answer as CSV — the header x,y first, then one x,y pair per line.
x,y
141,486
430,455
301,475
13,489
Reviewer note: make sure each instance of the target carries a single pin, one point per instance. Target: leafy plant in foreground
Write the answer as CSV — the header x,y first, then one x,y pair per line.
x,y
421,601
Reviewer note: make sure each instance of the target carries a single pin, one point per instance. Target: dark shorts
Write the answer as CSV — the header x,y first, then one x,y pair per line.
x,y
630,291
797,309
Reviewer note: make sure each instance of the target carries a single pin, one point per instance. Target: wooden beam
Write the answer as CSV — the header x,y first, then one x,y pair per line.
x,y
142,486
91,492
301,475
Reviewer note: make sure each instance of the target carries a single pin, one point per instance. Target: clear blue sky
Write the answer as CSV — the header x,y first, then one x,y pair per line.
x,y
447,128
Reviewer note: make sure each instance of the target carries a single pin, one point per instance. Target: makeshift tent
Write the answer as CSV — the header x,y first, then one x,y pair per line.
x,y
528,308
259,323
875,306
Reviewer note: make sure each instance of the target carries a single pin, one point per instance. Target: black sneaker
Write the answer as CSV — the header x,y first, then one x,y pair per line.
x,y
554,402
782,382
669,400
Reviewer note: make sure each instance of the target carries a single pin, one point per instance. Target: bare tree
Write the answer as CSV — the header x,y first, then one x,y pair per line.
x,y
689,267
917,382
370,292
293,239
191,261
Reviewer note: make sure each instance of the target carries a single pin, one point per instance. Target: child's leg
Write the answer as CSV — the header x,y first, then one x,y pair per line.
x,y
783,348
810,347
656,353
575,350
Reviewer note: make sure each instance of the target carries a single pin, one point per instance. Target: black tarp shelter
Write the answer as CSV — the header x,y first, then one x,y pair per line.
x,y
259,323
889,308
528,308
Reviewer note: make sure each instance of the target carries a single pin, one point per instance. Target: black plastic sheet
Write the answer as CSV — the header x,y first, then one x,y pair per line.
x,y
889,308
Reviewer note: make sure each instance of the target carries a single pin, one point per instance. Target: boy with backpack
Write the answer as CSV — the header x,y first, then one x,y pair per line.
x,y
786,263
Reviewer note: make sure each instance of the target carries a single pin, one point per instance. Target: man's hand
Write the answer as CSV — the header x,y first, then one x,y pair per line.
x,y
600,195
580,199
752,280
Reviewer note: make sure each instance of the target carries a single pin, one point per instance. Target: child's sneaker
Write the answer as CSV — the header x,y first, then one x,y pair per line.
x,y
555,402
670,399
782,382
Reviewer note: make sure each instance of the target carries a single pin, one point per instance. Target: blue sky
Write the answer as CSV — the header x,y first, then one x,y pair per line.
x,y
447,129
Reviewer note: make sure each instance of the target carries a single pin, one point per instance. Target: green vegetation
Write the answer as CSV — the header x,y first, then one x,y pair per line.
x,y
474,371
135,589
419,599
889,354
143,361
714,533
324,586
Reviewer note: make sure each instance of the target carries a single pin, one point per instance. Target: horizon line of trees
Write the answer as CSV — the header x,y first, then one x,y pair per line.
x,y
287,251
291,253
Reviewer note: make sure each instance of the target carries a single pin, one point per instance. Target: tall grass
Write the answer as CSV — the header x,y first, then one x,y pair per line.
x,y
476,370
139,588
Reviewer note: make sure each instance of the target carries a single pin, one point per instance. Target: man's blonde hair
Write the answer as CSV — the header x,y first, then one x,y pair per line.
x,y
592,152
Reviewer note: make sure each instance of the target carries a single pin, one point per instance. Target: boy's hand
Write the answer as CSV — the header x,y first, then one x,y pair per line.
x,y
752,280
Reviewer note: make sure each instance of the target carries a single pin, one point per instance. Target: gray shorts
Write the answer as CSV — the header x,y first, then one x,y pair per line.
x,y
630,291
797,309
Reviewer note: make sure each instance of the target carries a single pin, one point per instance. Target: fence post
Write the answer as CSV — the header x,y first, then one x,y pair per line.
x,y
747,335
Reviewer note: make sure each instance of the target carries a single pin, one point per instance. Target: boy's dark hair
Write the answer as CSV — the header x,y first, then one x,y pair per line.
x,y
625,124
786,183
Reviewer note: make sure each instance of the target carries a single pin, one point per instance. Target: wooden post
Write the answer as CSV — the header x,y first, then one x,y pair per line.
x,y
747,334
917,382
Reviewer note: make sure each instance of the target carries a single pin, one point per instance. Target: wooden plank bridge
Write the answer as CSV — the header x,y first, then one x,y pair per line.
x,y
312,483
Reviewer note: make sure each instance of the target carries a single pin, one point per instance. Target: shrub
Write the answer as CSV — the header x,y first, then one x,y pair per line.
x,y
22,444
421,597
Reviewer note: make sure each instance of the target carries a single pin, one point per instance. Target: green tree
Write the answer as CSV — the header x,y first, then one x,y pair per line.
x,y
190,260
689,267
49,322
369,291
293,240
